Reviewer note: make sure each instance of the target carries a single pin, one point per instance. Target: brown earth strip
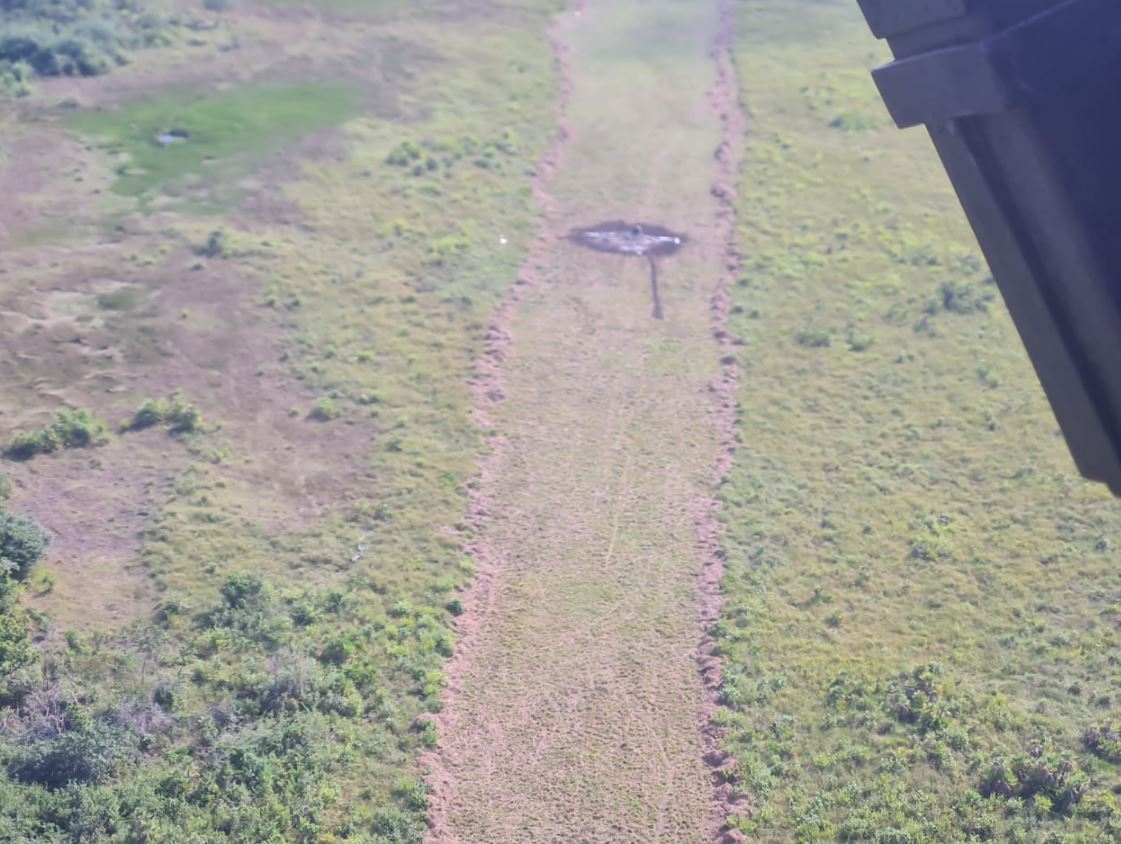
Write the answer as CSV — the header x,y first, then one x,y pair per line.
x,y
724,97
575,710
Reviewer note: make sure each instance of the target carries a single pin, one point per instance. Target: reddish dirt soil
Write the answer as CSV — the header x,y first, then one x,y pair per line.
x,y
729,155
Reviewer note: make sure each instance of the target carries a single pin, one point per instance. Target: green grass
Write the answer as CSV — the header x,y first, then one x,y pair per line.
x,y
387,336
222,135
292,654
902,499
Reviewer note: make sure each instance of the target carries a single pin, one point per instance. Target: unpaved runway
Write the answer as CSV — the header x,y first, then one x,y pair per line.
x,y
577,709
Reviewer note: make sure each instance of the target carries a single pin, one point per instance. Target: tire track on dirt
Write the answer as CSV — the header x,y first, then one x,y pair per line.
x,y
575,709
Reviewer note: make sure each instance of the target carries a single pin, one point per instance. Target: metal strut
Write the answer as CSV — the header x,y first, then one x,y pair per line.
x,y
1022,99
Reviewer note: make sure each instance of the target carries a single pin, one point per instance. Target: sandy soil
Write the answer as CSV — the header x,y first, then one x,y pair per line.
x,y
578,708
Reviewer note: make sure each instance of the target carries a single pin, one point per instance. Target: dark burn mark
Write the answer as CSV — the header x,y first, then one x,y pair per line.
x,y
641,240
654,292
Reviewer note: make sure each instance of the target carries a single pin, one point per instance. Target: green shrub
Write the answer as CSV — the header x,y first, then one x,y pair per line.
x,y
48,54
1104,741
180,416
94,812
394,826
15,642
15,79
251,613
78,429
859,342
151,413
243,589
918,698
414,794
217,244
27,444
183,418
87,754
70,429
443,250
961,298
814,338
325,410
122,299
339,649
426,732
1037,774
404,154
853,121
22,543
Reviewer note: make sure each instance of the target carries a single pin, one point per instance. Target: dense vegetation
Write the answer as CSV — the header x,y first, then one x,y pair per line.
x,y
71,37
22,543
295,679
277,690
921,618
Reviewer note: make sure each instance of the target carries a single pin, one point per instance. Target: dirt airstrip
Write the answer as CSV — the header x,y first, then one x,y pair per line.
x,y
582,688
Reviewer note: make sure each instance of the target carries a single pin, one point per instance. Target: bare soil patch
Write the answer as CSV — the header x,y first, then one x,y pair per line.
x,y
724,98
229,352
94,503
44,177
195,328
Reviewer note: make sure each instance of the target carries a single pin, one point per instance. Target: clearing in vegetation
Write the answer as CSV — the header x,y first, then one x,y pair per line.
x,y
576,707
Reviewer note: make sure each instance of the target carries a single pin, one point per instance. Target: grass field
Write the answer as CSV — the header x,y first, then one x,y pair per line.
x,y
921,593
240,382
272,592
238,127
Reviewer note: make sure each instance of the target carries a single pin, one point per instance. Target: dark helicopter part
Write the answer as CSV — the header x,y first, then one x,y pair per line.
x,y
1023,101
